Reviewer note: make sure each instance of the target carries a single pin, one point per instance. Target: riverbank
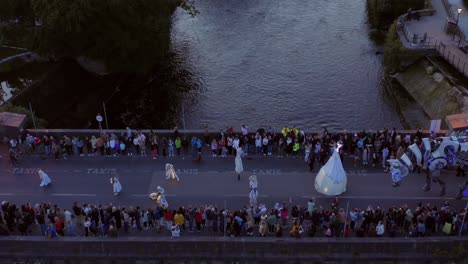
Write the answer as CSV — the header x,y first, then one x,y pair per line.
x,y
432,90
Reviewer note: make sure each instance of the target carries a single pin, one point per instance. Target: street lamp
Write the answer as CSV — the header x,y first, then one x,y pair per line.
x,y
459,10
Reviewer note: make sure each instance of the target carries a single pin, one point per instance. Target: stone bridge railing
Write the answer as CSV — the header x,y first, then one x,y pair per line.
x,y
243,249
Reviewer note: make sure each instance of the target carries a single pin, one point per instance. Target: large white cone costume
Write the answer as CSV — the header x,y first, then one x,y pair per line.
x,y
170,172
331,179
253,194
45,180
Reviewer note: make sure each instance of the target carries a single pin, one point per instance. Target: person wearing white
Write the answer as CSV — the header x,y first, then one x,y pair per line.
x,y
331,179
175,231
238,163
45,179
170,172
385,153
117,187
244,130
253,194
380,229
159,197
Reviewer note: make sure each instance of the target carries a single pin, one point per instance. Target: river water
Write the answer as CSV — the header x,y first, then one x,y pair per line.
x,y
297,63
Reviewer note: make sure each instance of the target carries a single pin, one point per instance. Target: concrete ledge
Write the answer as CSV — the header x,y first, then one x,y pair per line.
x,y
228,249
186,132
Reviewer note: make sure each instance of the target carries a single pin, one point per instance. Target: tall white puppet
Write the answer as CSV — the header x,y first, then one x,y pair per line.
x,y
45,179
170,172
159,196
238,162
116,186
331,179
253,194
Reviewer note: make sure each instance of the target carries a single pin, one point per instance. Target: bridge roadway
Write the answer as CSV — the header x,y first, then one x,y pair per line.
x,y
211,181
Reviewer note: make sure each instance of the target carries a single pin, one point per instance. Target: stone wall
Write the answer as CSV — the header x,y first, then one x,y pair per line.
x,y
304,250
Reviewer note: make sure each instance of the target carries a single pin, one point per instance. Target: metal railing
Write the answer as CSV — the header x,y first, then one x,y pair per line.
x,y
416,41
448,53
448,8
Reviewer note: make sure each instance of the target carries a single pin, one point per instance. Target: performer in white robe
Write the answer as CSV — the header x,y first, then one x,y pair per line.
x,y
45,179
238,162
253,194
117,187
331,179
170,172
159,197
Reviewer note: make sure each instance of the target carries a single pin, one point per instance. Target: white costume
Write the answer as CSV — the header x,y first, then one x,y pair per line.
x,y
116,185
45,180
253,194
159,196
238,162
170,172
398,171
331,179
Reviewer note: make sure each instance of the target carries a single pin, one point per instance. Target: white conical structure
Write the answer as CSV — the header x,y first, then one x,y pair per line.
x,y
331,179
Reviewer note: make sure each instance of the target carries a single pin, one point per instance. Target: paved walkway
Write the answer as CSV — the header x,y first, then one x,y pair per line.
x,y
433,25
434,28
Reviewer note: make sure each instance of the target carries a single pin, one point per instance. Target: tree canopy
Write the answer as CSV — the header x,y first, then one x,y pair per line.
x,y
127,35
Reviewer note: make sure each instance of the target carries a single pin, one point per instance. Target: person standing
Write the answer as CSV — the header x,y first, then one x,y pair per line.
x,y
171,147
214,147
13,156
385,153
178,145
238,162
45,180
117,187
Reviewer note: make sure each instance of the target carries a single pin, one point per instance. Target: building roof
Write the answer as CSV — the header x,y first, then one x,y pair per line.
x,y
457,122
12,119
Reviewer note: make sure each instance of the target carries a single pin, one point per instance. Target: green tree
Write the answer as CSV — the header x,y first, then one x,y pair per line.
x,y
19,10
393,50
128,36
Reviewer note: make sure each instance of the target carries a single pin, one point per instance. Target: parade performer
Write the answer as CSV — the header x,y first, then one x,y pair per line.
x,y
117,187
170,172
238,162
398,171
45,179
331,179
159,197
253,194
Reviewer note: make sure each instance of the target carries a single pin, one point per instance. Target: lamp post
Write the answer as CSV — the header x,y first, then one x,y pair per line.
x,y
459,10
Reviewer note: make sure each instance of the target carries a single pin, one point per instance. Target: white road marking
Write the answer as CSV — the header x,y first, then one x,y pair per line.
x,y
242,195
383,197
147,195
5,194
73,194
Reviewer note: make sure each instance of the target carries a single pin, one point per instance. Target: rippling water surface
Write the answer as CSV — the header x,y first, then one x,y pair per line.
x,y
298,63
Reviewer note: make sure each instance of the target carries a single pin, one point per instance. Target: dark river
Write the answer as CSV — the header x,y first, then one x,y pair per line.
x,y
298,63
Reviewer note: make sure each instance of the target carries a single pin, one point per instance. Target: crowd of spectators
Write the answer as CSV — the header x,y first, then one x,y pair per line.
x,y
280,220
367,147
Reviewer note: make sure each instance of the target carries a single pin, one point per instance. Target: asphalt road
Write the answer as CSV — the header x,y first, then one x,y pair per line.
x,y
211,181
